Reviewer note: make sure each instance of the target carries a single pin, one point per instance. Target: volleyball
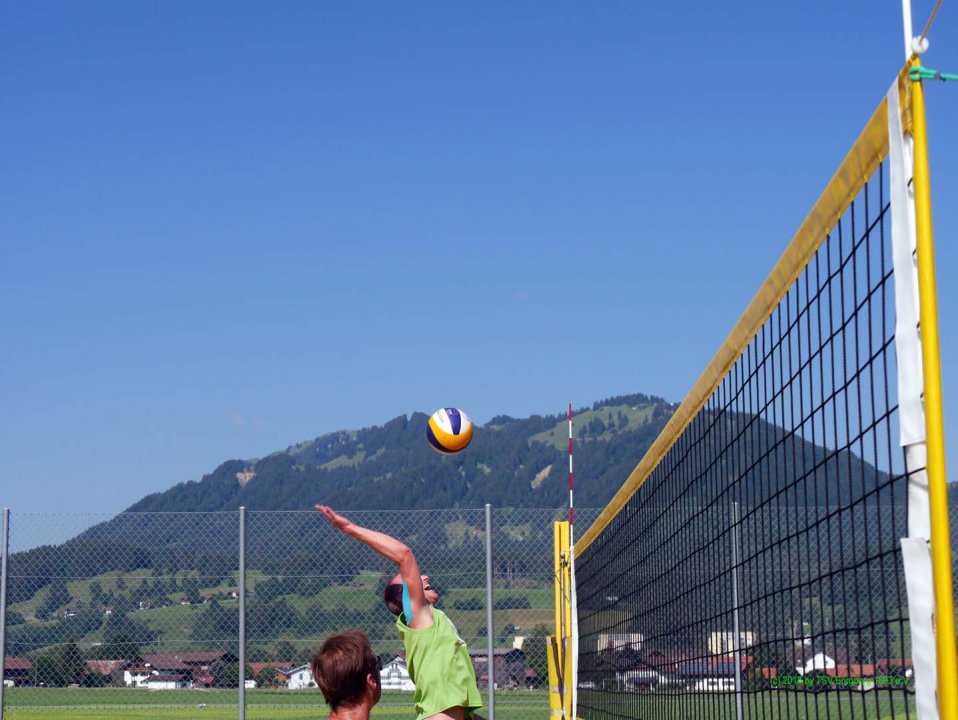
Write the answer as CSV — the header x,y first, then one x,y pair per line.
x,y
449,430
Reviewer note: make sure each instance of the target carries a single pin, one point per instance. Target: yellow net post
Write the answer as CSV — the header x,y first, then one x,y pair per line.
x,y
934,423
555,686
560,693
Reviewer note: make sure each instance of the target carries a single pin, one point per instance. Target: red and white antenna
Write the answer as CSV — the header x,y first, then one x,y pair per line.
x,y
574,629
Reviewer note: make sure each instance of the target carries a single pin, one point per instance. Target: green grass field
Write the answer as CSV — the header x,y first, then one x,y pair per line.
x,y
131,704
765,705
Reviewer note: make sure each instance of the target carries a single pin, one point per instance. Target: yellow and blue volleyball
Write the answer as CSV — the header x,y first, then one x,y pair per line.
x,y
449,430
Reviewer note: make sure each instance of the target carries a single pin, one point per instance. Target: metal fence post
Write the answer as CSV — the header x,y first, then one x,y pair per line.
x,y
242,613
736,633
3,601
490,650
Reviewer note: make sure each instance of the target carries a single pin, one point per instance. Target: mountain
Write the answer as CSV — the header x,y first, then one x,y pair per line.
x,y
517,463
523,463
510,463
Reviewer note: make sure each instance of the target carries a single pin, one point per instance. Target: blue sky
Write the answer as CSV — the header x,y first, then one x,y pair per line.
x,y
226,228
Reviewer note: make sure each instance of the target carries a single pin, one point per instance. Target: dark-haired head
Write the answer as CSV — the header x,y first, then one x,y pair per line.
x,y
346,668
392,596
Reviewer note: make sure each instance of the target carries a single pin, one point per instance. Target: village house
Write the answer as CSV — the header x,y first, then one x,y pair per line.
x,y
195,668
112,669
17,672
723,642
807,659
395,675
509,667
637,671
144,674
301,678
281,669
167,681
135,675
666,661
619,641
715,674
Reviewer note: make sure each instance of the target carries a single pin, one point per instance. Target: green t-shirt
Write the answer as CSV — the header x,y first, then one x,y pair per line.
x,y
439,665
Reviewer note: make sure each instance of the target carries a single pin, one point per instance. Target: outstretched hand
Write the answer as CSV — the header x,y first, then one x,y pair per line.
x,y
337,521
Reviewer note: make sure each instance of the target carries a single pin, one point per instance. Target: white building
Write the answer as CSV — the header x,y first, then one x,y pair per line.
x,y
723,643
620,641
636,680
135,677
714,685
301,678
395,676
813,662
167,682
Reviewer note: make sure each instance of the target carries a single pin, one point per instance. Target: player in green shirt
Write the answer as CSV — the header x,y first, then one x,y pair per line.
x,y
437,658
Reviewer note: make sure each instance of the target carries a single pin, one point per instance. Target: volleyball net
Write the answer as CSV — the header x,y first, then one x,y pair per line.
x,y
779,551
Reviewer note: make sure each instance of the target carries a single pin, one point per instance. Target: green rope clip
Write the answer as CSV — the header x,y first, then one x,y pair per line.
x,y
922,73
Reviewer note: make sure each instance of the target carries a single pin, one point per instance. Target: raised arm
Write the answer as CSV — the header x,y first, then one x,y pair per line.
x,y
391,549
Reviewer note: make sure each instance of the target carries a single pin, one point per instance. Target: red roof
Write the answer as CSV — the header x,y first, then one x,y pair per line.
x,y
165,661
17,663
281,667
667,659
722,660
864,670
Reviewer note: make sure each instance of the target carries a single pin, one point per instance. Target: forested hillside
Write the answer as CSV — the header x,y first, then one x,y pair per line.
x,y
511,462
153,567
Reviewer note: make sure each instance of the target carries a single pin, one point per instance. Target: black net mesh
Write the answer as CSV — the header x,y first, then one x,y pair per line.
x,y
773,520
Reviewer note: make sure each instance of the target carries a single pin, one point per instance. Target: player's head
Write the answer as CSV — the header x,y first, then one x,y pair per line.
x,y
392,595
347,670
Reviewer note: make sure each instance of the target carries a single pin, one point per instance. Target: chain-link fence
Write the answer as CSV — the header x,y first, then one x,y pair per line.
x,y
139,614
159,601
